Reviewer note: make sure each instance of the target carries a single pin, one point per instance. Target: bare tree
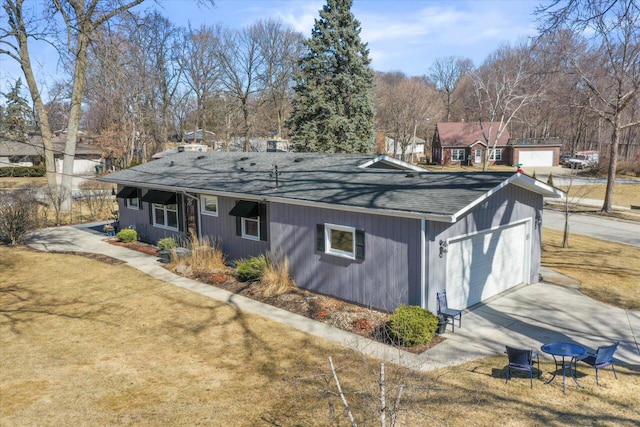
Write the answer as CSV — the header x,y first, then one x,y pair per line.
x,y
609,65
14,42
201,68
280,47
243,72
447,73
502,88
403,105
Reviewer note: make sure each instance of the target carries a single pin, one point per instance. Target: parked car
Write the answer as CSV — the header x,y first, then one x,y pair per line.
x,y
564,159
584,159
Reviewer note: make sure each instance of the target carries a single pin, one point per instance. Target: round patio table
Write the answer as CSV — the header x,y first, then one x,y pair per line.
x,y
568,354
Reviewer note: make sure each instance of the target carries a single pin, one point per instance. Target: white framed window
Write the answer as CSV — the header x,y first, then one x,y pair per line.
x,y
340,240
209,205
133,203
165,216
251,228
496,154
457,154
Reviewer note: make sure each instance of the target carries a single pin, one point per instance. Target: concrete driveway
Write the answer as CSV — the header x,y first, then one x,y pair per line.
x,y
528,316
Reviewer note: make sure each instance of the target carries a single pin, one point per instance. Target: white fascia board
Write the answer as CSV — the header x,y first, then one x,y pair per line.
x,y
396,162
520,180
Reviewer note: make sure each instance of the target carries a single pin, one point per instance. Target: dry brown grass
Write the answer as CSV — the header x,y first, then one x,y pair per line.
x,y
275,279
623,194
204,255
608,272
87,343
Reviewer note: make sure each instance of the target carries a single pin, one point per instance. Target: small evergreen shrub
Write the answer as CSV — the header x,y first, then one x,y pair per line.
x,y
252,268
167,244
550,179
412,325
127,235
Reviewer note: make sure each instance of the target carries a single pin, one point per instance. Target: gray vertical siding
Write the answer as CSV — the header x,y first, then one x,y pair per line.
x,y
222,228
140,220
388,276
508,205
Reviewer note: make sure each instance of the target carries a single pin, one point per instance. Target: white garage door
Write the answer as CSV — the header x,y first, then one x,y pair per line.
x,y
536,158
483,265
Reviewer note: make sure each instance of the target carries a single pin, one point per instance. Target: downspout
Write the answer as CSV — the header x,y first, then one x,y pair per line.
x,y
423,263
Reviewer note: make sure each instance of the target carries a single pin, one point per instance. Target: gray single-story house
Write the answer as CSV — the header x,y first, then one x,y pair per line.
x,y
364,228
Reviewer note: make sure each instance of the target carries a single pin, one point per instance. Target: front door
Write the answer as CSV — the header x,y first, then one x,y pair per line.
x,y
191,210
478,155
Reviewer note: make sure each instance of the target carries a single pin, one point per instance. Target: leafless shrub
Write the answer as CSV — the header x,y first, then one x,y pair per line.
x,y
18,215
56,197
96,195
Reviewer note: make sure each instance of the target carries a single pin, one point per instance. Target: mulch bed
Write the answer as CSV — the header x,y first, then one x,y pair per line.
x,y
136,246
350,317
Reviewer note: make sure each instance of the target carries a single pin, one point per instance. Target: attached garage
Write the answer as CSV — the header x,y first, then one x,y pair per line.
x,y
485,264
536,158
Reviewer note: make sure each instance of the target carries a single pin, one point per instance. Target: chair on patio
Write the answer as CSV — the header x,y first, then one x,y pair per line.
x,y
602,358
522,360
448,313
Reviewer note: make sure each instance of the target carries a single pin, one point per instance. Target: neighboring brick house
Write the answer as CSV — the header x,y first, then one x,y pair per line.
x,y
464,143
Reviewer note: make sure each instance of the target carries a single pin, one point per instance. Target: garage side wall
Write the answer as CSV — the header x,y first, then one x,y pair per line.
x,y
388,276
509,205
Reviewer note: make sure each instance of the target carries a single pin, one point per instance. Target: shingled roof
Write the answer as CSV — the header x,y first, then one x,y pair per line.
x,y
322,179
464,134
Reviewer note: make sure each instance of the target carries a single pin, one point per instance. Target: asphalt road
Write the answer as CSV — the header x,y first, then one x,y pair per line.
x,y
613,230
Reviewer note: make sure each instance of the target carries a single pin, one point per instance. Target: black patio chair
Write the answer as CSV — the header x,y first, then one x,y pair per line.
x,y
602,358
448,313
522,360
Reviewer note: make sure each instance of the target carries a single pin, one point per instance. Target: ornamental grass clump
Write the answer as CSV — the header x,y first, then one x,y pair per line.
x,y
275,279
127,235
201,254
412,325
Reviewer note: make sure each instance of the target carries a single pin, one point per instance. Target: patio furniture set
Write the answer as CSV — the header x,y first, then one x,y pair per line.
x,y
565,355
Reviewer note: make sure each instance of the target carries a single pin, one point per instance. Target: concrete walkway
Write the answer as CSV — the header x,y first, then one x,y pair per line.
x,y
528,316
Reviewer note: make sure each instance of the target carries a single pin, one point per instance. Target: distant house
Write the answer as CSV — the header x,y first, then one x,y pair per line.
x,y
200,136
368,229
387,144
31,153
464,143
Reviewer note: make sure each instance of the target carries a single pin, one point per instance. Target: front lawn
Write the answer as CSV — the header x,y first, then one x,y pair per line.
x,y
84,342
608,272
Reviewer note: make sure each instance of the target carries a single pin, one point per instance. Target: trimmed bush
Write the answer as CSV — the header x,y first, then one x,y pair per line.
x,y
127,235
167,244
22,171
251,269
412,325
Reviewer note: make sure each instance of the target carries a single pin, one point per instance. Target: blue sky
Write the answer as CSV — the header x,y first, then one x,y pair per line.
x,y
402,36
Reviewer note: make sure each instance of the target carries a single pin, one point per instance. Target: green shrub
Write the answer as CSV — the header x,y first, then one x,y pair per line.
x,y
167,244
412,325
252,268
550,179
127,235
22,171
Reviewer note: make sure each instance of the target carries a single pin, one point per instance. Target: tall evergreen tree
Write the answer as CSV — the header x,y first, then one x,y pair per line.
x,y
17,118
333,100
